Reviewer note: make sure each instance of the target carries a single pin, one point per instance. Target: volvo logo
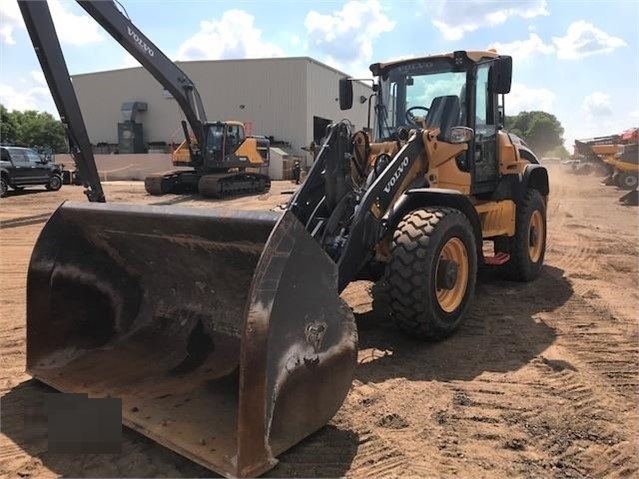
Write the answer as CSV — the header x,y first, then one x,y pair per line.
x,y
397,175
145,48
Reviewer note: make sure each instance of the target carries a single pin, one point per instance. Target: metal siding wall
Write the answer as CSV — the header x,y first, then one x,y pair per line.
x,y
323,94
273,92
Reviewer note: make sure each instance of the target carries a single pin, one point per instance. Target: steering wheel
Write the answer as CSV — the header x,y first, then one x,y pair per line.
x,y
410,117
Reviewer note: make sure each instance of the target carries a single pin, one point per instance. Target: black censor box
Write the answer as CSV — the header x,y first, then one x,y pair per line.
x,y
79,425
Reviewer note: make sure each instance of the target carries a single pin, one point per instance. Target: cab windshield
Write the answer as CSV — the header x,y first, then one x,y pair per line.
x,y
421,94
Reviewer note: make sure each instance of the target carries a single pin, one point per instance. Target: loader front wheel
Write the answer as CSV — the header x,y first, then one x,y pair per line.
x,y
430,279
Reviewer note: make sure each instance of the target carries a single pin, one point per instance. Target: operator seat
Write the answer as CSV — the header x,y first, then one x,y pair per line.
x,y
444,113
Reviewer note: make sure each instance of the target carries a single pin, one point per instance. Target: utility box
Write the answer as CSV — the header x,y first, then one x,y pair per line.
x,y
130,138
130,134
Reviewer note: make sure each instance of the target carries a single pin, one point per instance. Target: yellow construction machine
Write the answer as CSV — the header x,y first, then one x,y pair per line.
x,y
223,332
231,162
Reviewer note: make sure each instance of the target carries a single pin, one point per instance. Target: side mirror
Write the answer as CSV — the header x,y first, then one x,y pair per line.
x,y
502,74
345,94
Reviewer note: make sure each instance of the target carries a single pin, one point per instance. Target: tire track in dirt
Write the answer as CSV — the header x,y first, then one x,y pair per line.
x,y
598,337
493,423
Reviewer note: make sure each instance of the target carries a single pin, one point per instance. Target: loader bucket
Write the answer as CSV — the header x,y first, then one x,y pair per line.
x,y
221,331
630,199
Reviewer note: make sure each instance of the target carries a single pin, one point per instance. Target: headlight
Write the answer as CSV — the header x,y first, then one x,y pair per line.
x,y
461,134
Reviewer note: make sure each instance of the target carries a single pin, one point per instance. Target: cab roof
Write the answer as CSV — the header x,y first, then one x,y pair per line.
x,y
474,56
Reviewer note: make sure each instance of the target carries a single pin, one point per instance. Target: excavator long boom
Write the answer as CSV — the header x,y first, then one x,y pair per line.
x,y
187,315
167,73
39,23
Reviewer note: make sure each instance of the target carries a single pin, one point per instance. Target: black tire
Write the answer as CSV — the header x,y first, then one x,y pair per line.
x,y
527,248
627,181
409,288
4,187
55,183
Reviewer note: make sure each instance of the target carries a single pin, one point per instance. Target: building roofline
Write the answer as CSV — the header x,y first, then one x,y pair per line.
x,y
188,62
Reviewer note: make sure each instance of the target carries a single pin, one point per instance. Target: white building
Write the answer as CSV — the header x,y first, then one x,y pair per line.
x,y
289,99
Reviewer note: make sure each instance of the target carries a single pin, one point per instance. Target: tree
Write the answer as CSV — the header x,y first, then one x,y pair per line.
x,y
32,129
8,128
540,130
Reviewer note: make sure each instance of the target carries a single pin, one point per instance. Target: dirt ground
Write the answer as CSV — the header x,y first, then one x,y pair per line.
x,y
540,381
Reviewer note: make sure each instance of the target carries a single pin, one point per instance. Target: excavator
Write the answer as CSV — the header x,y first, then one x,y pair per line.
x,y
626,165
616,158
223,332
223,160
595,155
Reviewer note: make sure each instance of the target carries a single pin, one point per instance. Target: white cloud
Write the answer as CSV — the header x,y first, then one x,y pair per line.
x,y
583,39
10,18
523,98
38,77
522,49
346,36
30,98
72,28
634,114
597,104
455,18
233,36
128,61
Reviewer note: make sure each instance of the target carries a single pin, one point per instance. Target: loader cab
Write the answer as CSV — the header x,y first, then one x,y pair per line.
x,y
461,89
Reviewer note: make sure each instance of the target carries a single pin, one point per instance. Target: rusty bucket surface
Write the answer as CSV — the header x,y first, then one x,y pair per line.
x,y
221,331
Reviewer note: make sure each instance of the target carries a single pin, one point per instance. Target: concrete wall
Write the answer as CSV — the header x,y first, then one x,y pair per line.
x,y
125,167
323,97
138,167
278,96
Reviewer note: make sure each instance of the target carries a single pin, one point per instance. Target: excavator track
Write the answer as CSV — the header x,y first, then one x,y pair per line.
x,y
221,185
154,184
172,181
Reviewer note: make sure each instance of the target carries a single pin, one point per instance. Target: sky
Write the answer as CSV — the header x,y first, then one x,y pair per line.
x,y
578,60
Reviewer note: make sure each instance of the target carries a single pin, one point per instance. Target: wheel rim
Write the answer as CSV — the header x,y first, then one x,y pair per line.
x,y
55,182
629,181
535,236
454,251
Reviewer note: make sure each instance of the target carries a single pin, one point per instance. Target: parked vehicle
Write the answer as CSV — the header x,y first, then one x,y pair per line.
x,y
22,167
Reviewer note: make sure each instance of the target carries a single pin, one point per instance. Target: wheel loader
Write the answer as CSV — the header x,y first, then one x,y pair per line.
x,y
223,332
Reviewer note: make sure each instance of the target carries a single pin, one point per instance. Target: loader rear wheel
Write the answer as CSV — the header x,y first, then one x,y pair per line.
x,y
528,247
430,279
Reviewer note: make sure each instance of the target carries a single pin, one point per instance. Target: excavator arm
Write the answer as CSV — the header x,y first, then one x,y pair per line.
x,y
39,23
167,73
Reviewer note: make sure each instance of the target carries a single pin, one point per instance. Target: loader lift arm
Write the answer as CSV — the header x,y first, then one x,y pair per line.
x,y
167,73
348,223
39,23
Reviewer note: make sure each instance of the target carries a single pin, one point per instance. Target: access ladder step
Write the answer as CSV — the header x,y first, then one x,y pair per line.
x,y
498,259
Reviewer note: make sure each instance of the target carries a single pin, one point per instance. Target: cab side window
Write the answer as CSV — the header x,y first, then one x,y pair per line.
x,y
18,156
33,157
235,135
482,117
